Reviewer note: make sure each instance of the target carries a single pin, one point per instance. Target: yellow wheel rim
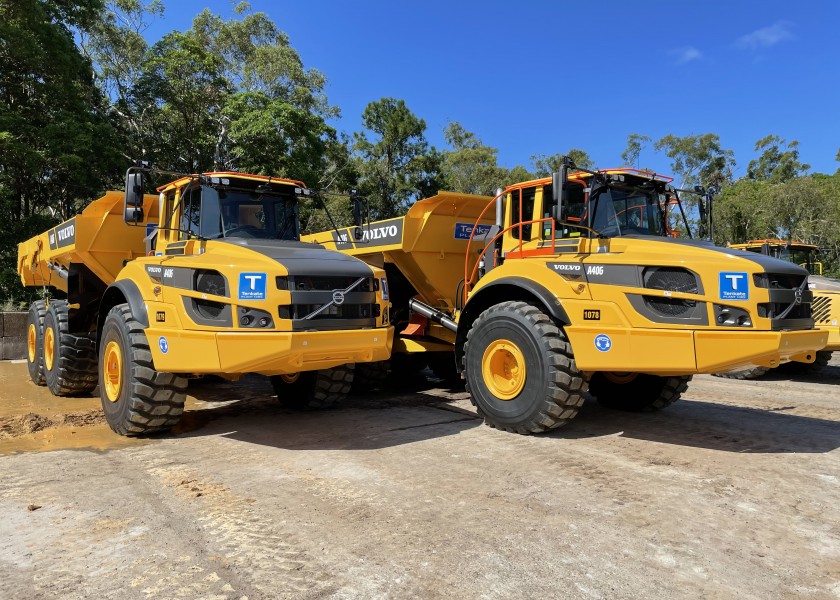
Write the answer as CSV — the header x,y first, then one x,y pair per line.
x,y
503,368
31,342
620,376
49,347
290,377
112,373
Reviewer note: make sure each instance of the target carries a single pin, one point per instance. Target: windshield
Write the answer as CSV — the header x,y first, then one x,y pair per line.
x,y
237,213
619,211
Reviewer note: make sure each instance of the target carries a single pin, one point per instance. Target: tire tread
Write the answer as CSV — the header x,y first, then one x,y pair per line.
x,y
156,399
566,385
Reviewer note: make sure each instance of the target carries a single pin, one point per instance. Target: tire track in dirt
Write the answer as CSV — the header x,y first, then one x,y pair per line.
x,y
264,554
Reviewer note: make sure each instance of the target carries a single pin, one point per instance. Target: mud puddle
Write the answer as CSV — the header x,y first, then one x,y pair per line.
x,y
33,420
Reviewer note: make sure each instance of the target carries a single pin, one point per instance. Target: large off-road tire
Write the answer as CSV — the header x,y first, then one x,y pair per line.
x,y
35,342
69,358
520,370
753,373
799,368
136,399
637,392
370,376
314,389
442,364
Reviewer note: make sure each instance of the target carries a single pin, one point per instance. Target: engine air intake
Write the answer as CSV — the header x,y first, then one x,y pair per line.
x,y
673,279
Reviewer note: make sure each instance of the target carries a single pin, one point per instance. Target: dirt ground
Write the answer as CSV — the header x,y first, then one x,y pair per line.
x,y
733,492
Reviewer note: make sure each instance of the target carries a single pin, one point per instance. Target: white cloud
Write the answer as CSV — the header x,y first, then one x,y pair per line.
x,y
766,36
687,54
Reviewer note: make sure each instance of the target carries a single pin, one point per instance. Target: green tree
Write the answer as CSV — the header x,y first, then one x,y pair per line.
x,y
516,175
799,208
226,94
742,213
698,159
776,164
633,152
276,101
183,92
57,146
470,167
116,46
395,165
257,57
544,165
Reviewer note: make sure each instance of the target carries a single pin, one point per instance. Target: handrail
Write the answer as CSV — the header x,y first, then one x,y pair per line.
x,y
469,242
468,280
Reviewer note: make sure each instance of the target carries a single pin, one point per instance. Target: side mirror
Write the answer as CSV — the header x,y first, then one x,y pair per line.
x,y
558,193
358,209
133,205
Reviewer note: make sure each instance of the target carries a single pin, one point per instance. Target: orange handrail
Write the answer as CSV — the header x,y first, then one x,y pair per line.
x,y
468,280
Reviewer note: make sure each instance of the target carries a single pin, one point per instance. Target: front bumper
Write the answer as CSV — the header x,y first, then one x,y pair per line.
x,y
687,352
268,353
833,342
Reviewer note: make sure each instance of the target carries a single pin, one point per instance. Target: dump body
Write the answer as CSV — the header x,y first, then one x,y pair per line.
x,y
97,238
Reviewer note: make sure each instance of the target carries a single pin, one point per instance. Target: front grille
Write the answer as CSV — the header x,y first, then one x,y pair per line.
x,y
790,300
343,311
771,310
821,309
329,302
670,307
778,281
325,283
670,278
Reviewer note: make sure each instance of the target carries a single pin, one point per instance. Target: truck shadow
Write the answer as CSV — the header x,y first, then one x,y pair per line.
x,y
711,426
829,375
248,411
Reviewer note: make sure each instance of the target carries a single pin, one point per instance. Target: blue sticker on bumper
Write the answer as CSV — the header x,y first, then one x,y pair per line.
x,y
603,342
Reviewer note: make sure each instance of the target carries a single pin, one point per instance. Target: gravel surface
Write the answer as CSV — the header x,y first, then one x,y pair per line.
x,y
731,492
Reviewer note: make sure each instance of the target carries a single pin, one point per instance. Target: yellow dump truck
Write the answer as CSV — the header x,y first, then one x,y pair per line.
x,y
825,306
575,283
208,277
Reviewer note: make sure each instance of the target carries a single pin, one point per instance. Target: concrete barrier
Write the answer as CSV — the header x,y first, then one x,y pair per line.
x,y
12,335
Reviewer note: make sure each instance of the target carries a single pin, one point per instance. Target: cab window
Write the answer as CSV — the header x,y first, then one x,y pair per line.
x,y
191,213
575,200
526,214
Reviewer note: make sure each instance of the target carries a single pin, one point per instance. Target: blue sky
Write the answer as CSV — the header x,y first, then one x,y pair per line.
x,y
543,77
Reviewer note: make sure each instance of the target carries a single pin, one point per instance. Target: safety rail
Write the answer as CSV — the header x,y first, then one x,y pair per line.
x,y
468,277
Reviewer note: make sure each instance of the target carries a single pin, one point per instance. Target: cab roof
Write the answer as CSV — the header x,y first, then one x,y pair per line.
x,y
580,175
181,181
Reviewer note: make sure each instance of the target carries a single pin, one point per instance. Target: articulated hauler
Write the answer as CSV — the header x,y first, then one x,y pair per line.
x,y
577,284
208,277
825,306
